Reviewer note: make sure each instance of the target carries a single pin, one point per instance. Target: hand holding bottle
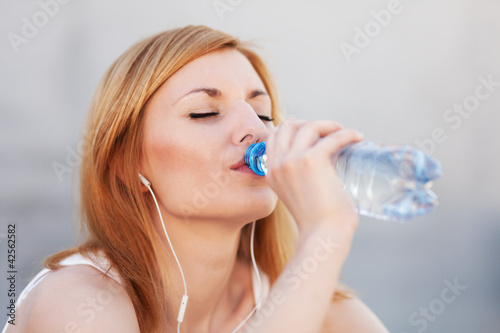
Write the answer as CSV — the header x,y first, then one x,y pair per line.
x,y
295,150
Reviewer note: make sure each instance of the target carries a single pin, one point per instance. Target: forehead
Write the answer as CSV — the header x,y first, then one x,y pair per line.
x,y
223,69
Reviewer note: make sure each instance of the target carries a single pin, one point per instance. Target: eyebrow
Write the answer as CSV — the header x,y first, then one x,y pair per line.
x,y
216,93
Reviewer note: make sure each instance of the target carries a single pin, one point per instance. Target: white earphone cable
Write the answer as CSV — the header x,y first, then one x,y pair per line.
x,y
259,281
182,308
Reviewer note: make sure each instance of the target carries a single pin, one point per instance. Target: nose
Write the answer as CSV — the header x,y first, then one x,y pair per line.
x,y
250,128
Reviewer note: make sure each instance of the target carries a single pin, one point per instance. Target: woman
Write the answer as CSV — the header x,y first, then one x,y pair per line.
x,y
180,108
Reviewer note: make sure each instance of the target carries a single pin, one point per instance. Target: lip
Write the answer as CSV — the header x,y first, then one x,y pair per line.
x,y
241,166
245,169
238,164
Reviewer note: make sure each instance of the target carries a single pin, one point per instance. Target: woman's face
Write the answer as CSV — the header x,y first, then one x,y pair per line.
x,y
198,125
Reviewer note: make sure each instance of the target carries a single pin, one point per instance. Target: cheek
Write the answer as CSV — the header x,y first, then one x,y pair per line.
x,y
169,159
165,146
178,166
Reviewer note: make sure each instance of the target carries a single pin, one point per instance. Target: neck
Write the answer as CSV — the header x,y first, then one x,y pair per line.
x,y
217,282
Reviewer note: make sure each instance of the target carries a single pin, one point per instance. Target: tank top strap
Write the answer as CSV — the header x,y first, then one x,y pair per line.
x,y
98,261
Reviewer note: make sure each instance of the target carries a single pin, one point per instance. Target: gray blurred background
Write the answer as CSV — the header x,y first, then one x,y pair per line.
x,y
395,84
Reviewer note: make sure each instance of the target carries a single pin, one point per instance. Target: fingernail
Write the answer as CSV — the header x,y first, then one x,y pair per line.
x,y
360,134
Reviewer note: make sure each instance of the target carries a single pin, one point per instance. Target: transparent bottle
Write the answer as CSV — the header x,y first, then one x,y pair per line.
x,y
388,182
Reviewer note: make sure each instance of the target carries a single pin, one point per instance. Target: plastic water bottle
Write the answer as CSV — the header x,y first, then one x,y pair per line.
x,y
388,182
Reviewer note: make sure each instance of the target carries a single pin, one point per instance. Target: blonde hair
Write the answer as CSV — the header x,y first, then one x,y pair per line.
x,y
115,214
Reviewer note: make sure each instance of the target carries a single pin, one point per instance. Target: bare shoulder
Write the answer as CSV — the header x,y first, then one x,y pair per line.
x,y
351,316
76,298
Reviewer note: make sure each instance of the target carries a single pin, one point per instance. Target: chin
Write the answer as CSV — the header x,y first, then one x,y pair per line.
x,y
251,207
263,206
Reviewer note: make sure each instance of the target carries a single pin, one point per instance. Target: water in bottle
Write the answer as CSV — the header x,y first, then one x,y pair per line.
x,y
389,182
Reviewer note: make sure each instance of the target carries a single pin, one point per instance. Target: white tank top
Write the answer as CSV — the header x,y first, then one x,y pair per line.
x,y
102,264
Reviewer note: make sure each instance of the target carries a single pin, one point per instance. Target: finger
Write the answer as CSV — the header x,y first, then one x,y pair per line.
x,y
283,137
270,147
278,141
309,133
335,141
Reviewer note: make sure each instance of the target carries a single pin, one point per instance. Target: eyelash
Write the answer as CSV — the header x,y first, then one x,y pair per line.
x,y
209,114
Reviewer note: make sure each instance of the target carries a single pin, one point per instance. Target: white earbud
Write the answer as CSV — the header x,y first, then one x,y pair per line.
x,y
143,179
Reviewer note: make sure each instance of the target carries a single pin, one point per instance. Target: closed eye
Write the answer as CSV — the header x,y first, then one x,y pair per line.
x,y
202,115
266,118
209,114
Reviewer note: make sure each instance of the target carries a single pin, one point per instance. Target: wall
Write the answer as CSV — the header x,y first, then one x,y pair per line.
x,y
402,82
